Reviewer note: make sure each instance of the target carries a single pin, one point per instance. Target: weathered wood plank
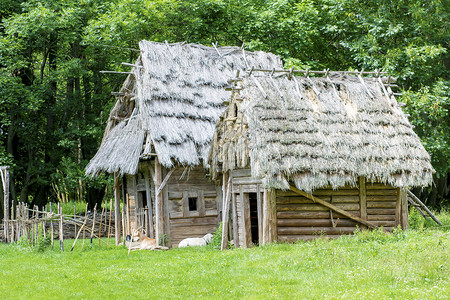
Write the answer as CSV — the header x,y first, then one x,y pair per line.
x,y
316,207
382,204
273,216
241,173
226,210
246,219
310,215
314,222
306,237
349,192
333,207
382,198
381,217
381,211
315,230
382,192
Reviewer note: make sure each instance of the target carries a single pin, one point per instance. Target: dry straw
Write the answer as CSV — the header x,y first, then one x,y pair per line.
x,y
170,105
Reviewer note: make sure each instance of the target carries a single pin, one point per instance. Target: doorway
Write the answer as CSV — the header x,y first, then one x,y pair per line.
x,y
253,201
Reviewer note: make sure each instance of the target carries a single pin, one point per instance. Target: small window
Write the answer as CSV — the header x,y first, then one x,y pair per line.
x,y
192,203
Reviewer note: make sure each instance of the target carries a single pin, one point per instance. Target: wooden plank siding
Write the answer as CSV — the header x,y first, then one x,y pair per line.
x,y
299,217
183,223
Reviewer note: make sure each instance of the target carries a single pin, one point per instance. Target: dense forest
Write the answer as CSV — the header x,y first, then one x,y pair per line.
x,y
54,102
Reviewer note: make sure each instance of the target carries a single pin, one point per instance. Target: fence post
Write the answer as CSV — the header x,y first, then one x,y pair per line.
x,y
5,181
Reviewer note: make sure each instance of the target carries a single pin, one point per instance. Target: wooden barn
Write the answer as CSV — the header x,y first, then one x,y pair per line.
x,y
159,134
320,154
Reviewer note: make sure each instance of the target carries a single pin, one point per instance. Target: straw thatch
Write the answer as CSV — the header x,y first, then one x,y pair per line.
x,y
170,104
319,132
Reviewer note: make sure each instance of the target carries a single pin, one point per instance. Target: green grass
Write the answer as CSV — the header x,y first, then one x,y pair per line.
x,y
414,264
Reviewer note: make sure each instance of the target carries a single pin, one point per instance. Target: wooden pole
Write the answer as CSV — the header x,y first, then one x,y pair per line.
x,y
74,217
93,222
362,198
158,202
117,208
61,231
84,227
226,212
110,217
5,181
405,220
51,224
266,216
424,207
100,226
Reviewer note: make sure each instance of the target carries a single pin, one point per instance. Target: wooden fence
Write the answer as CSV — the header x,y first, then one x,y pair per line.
x,y
31,224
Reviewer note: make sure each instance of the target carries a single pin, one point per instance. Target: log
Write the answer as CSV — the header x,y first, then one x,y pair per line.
x,y
315,230
313,223
226,212
382,204
333,207
404,200
116,209
235,221
310,215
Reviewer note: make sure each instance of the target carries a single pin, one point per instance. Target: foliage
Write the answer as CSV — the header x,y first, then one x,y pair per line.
x,y
216,241
412,266
429,109
54,102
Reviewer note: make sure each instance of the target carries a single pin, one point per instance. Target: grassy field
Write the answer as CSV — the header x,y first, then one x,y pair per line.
x,y
414,264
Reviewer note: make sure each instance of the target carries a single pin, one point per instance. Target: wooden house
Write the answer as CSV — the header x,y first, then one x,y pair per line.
x,y
300,157
159,134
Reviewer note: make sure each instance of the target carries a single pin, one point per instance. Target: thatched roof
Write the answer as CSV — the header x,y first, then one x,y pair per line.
x,y
319,132
170,104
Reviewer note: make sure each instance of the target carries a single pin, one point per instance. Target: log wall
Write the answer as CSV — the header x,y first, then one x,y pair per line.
x,y
185,223
299,218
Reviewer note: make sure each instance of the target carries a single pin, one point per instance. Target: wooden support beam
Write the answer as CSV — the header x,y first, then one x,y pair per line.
x,y
117,225
235,220
363,197
398,207
424,207
163,184
404,199
158,202
149,205
273,217
226,211
246,224
266,216
331,206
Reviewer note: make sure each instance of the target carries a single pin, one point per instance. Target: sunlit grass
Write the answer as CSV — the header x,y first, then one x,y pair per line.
x,y
371,265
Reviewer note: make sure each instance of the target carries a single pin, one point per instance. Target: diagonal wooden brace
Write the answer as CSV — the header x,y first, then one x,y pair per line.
x,y
331,206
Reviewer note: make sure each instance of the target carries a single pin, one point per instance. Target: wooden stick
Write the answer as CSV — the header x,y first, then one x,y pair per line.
x,y
93,222
329,205
110,217
51,223
61,231
75,215
424,207
100,226
84,227
117,208
78,234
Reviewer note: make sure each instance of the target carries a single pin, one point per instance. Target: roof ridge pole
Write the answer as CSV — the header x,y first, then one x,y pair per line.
x,y
312,83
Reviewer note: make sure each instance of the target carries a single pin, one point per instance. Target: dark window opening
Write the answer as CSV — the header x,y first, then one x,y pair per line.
x,y
192,203
143,197
253,201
